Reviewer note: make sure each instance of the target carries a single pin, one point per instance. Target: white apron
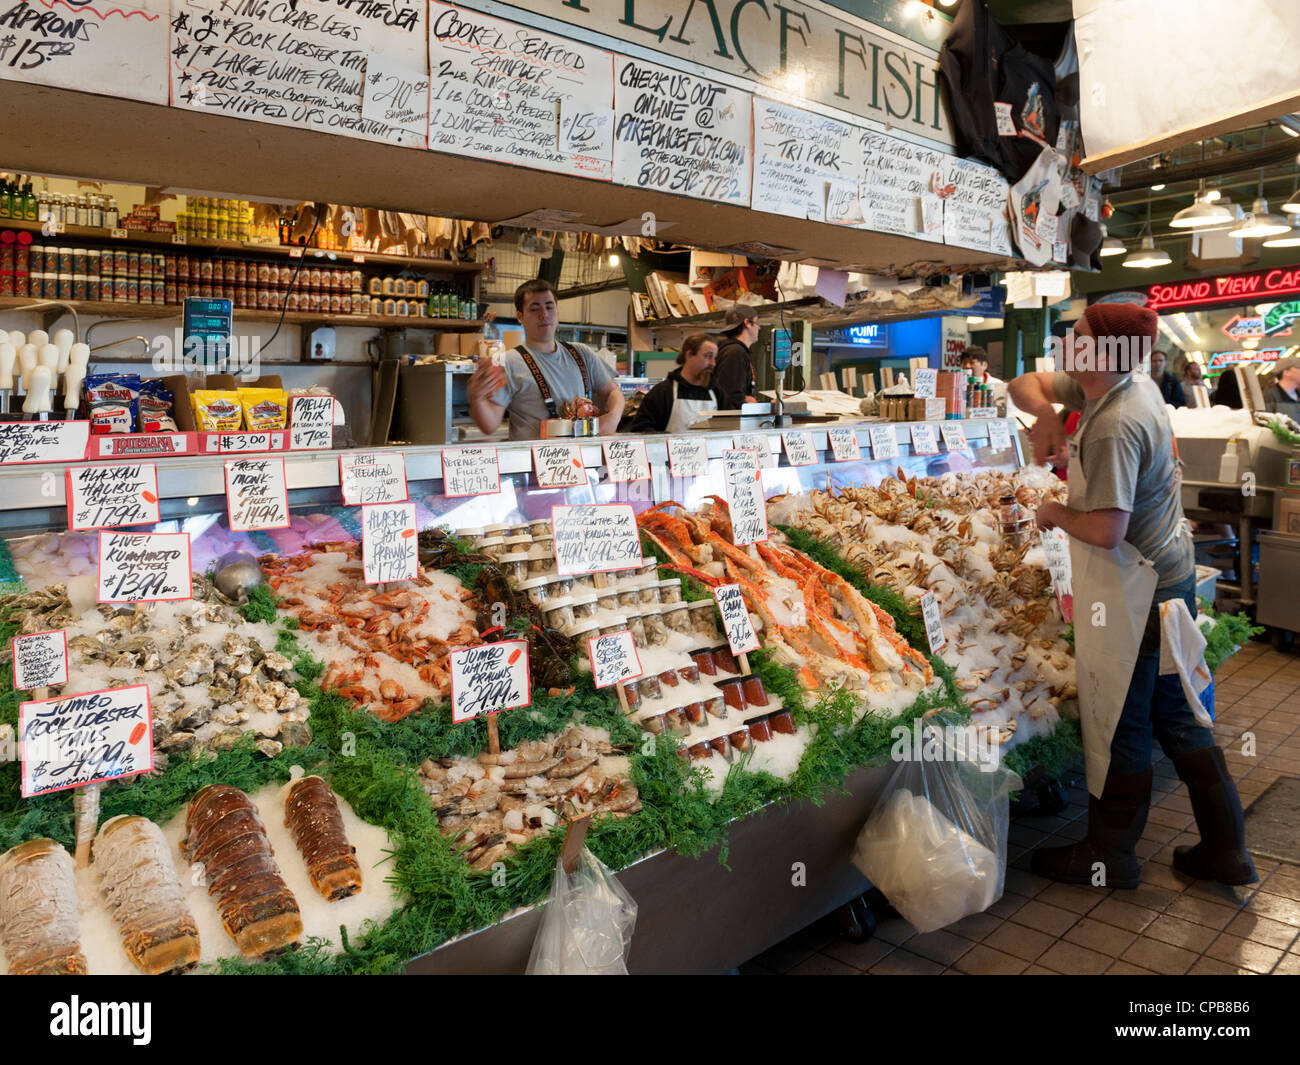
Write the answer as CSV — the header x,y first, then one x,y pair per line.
x,y
686,412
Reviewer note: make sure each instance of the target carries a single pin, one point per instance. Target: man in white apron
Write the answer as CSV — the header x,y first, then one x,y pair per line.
x,y
683,397
1130,550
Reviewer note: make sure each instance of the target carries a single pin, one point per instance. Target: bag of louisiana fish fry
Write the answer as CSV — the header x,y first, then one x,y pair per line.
x,y
265,409
217,411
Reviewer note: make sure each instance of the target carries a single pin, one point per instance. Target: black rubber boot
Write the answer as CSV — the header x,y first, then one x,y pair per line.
x,y
1221,855
1115,823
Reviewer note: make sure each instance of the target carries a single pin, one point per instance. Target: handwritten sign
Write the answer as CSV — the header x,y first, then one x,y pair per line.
x,y
626,460
396,94
796,154
884,442
311,422
613,658
559,465
680,133
999,436
256,497
688,456
924,441
954,438
373,477
74,740
496,89
933,620
983,413
389,548
1056,547
585,130
235,443
799,447
927,380
144,567
594,538
43,442
470,471
109,497
743,479
895,176
489,678
735,619
755,442
40,660
977,194
844,445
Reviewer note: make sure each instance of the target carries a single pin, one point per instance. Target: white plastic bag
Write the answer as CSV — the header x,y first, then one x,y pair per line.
x,y
587,924
936,843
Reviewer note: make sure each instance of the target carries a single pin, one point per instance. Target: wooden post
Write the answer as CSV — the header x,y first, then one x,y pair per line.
x,y
494,740
743,659
574,840
622,698
85,804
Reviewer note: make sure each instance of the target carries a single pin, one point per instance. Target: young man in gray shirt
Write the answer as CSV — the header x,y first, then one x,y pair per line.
x,y
1127,459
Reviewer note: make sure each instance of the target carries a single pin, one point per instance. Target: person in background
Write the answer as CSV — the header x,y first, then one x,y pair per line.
x,y
975,363
1170,387
1227,393
1283,395
684,396
734,374
543,378
1192,374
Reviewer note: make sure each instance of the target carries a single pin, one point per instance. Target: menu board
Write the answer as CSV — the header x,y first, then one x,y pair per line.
x,y
114,49
797,154
302,64
496,89
975,195
896,175
676,132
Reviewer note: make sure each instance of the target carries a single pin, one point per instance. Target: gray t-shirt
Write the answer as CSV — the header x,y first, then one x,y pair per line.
x,y
1125,445
523,398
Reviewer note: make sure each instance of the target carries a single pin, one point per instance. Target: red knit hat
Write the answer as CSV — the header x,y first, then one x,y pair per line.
x,y
1121,320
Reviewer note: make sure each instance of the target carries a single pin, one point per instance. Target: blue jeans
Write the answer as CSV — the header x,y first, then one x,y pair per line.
x,y
1156,706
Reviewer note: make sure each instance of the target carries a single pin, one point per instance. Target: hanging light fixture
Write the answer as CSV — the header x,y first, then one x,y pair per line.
x,y
1147,254
1292,205
1259,223
1111,245
1289,239
1203,212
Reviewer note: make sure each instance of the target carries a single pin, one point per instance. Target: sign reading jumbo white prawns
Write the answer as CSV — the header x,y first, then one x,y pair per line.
x,y
496,88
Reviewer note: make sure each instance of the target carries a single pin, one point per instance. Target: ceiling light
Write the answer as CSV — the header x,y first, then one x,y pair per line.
x,y
1290,132
1111,245
973,319
1259,223
1289,239
1202,213
1147,255
953,3
1156,188
613,259
1212,195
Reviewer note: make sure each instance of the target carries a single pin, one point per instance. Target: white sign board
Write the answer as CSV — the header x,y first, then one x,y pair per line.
x,y
75,740
559,465
389,545
470,471
373,477
743,478
796,155
756,442
799,448
627,460
613,658
594,538
688,456
40,660
924,441
43,442
256,497
933,623
954,438
144,567
884,442
844,445
489,678
109,497
735,619
999,435
311,422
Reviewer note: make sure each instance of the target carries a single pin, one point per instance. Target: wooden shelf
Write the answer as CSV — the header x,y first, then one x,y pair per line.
x,y
317,256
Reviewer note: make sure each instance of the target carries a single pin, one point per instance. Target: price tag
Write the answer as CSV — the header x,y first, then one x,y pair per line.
x,y
927,380
745,499
82,739
688,456
844,445
180,238
358,258
1006,125
311,421
985,414
55,227
594,538
924,441
488,678
884,442
389,547
799,447
1069,195
1056,547
117,234
1090,209
233,443
627,460
373,477
735,619
933,623
295,253
1059,251
110,497
999,435
43,442
559,465
470,471
1045,227
755,442
954,438
256,497
144,567
613,658
40,660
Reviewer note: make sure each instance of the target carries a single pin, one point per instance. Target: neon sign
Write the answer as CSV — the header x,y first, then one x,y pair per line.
x,y
1222,359
1230,288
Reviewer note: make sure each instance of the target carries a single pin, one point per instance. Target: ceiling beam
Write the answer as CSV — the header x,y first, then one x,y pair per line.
x,y
1229,162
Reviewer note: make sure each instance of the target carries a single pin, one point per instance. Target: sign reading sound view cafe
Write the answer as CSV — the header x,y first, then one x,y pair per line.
x,y
1224,289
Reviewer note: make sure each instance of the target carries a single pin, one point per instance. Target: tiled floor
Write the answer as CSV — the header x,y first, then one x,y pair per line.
x,y
1167,925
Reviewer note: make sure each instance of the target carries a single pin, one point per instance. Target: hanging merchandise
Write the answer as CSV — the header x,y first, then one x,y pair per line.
x,y
1034,203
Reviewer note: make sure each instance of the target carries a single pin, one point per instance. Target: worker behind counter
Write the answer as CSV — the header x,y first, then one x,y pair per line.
x,y
1283,395
734,375
543,378
682,398
975,363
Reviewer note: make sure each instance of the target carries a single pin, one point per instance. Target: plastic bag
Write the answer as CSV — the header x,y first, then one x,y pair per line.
x,y
586,925
936,842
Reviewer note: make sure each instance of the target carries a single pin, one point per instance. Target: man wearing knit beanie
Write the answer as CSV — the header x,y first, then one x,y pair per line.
x,y
1125,519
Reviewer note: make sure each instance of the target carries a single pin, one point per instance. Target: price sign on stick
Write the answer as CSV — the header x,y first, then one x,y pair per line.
x,y
84,739
744,487
688,456
1056,546
627,460
470,471
488,678
256,497
389,545
144,567
311,422
735,619
884,442
373,477
613,658
926,382
844,445
933,623
923,439
40,660
594,538
999,436
799,447
559,465
109,497
954,438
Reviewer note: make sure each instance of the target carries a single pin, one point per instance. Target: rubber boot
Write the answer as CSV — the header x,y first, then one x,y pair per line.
x,y
1115,823
1221,855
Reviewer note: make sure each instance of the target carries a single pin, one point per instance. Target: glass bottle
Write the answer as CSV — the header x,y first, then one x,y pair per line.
x,y
111,216
454,310
6,200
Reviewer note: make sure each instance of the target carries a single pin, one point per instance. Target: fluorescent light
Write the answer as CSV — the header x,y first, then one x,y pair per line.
x,y
973,319
1147,256
1156,188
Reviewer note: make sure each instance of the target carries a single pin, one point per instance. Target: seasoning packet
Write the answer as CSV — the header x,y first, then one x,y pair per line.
x,y
265,409
112,400
216,411
156,408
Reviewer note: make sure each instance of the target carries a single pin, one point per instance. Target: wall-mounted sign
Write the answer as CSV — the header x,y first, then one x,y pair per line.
x,y
1227,288
867,335
1239,328
1221,359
